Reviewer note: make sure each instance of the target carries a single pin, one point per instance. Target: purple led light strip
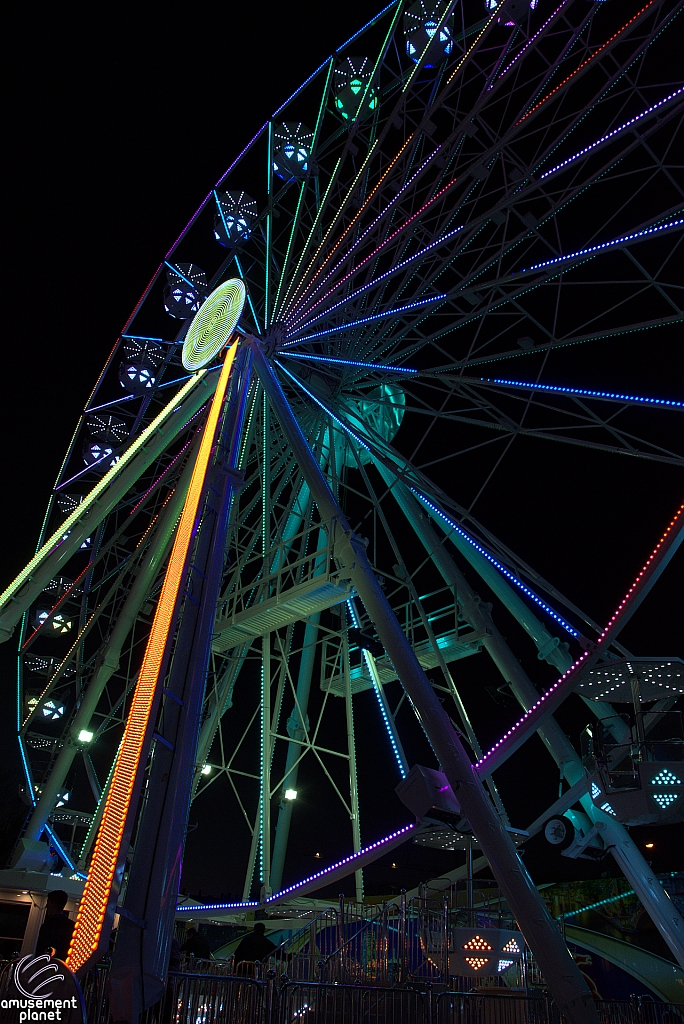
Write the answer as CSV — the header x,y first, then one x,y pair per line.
x,y
367,319
549,701
610,135
529,42
347,865
375,281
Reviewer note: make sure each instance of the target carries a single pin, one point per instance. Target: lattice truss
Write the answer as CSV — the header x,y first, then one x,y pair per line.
x,y
432,287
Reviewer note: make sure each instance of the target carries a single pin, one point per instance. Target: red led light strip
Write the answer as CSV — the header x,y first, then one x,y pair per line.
x,y
97,892
584,63
553,697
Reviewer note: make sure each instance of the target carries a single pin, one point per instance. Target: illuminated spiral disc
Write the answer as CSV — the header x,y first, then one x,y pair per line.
x,y
213,325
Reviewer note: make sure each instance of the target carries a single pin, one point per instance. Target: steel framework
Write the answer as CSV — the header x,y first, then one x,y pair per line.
x,y
509,194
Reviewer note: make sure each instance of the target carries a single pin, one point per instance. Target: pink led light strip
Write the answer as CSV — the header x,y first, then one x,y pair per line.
x,y
549,701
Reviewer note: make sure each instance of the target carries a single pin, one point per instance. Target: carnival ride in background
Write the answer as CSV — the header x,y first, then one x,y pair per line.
x,y
240,547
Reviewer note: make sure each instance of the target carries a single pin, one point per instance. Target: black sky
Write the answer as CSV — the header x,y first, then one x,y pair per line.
x,y
119,118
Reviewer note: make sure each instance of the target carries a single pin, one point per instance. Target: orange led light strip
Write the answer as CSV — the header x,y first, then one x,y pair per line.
x,y
107,849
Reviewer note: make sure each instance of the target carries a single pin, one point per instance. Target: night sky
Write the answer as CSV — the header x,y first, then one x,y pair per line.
x,y
119,123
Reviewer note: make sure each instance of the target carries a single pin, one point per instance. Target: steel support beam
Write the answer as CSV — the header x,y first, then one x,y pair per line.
x,y
655,899
141,956
564,978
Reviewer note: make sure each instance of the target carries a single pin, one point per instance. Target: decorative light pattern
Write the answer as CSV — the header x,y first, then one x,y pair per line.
x,y
367,319
349,362
582,391
293,141
98,489
214,324
608,809
185,285
376,279
665,799
610,135
574,668
665,778
595,791
233,217
53,710
429,35
476,962
351,859
511,946
605,245
371,255
86,937
355,97
502,569
477,942
504,965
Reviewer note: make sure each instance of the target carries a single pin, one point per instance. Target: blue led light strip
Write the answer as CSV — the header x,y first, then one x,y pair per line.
x,y
367,25
378,694
604,245
376,280
62,852
325,409
218,906
144,337
616,396
610,135
502,568
195,287
600,903
348,362
366,319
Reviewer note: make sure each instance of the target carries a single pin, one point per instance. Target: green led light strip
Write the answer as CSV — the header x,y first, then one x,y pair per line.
x,y
97,490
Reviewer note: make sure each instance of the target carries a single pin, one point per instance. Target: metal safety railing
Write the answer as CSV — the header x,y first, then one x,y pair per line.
x,y
200,998
207,997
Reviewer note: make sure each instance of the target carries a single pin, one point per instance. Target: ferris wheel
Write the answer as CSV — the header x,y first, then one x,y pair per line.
x,y
444,225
